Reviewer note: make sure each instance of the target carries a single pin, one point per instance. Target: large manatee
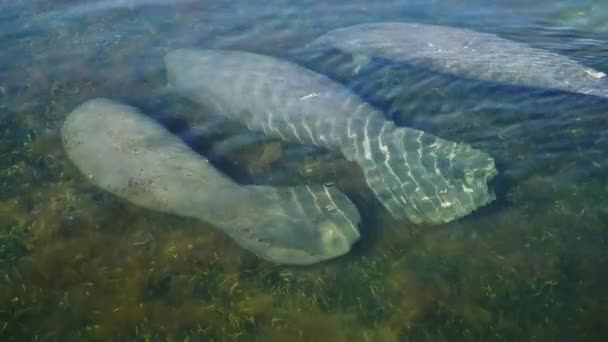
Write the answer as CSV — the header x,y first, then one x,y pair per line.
x,y
124,152
415,175
465,53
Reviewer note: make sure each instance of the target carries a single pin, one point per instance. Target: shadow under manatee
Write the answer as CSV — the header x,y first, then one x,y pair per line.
x,y
169,111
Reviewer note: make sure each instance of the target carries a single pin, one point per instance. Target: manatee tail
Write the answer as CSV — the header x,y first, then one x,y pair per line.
x,y
425,178
296,225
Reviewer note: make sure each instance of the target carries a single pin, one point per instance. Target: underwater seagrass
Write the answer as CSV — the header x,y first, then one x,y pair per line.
x,y
128,154
415,175
464,53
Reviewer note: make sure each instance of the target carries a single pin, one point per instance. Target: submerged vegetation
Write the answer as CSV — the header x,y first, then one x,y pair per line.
x,y
77,264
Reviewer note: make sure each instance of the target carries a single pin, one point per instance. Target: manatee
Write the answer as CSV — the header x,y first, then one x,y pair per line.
x,y
130,155
413,174
464,53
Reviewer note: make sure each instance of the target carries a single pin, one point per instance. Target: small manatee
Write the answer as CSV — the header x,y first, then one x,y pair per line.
x,y
128,154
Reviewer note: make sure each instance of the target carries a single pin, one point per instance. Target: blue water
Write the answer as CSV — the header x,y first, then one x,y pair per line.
x,y
79,264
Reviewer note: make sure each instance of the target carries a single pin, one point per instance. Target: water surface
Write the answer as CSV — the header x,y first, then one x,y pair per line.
x,y
78,264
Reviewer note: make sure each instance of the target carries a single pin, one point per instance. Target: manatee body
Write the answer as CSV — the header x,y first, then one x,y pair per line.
x,y
124,152
413,174
464,53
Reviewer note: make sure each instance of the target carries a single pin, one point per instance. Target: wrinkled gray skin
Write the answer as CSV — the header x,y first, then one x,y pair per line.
x,y
415,175
124,152
464,53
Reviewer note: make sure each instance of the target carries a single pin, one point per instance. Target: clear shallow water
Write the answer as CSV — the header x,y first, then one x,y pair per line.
x,y
79,264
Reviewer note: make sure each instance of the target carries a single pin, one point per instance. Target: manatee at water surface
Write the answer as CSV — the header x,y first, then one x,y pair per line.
x,y
465,53
414,175
126,153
